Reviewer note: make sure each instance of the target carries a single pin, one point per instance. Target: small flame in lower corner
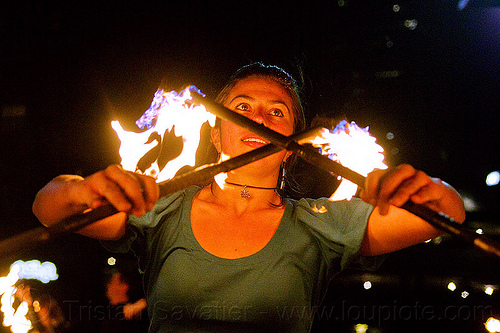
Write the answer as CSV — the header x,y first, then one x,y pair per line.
x,y
13,318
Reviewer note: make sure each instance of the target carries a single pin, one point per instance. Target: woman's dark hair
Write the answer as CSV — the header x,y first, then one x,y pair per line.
x,y
280,76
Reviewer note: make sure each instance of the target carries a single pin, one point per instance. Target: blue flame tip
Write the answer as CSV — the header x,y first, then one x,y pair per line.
x,y
193,88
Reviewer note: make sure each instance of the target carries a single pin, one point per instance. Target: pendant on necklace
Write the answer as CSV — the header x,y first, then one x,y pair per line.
x,y
244,193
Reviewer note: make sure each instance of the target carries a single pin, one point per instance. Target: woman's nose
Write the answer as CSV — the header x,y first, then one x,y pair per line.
x,y
258,117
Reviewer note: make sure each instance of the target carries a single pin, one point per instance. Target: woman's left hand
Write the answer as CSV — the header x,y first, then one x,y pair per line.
x,y
395,186
389,228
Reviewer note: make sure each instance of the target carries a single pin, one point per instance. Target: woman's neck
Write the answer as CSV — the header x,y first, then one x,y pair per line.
x,y
240,199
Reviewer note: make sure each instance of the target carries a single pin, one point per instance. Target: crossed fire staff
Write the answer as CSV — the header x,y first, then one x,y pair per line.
x,y
205,173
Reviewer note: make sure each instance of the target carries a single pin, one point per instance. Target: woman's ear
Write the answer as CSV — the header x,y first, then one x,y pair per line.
x,y
215,135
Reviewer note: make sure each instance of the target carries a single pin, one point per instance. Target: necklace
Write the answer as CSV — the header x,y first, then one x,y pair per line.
x,y
244,193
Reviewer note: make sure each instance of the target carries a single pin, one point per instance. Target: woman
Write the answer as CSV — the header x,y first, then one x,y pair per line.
x,y
235,256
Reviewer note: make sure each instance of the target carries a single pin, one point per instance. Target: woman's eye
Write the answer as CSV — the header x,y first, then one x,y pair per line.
x,y
277,112
243,107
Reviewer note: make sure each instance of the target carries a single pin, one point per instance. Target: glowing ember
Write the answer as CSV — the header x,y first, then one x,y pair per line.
x,y
492,325
354,148
15,318
169,114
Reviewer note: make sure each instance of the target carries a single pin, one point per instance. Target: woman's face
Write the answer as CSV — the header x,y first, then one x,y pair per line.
x,y
262,100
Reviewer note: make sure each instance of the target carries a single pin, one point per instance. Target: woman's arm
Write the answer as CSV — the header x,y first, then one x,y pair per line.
x,y
391,228
68,195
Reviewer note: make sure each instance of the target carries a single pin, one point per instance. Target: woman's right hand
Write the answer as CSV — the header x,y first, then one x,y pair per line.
x,y
127,191
68,195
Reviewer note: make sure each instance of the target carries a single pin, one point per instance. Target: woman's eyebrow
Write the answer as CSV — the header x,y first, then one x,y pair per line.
x,y
277,101
242,96
280,102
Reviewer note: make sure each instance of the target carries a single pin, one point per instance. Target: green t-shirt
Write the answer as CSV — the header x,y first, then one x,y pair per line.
x,y
275,289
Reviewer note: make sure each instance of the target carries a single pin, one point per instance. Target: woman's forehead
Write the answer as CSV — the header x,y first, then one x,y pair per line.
x,y
259,85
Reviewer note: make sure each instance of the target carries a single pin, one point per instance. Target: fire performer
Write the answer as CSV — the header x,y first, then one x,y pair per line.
x,y
235,255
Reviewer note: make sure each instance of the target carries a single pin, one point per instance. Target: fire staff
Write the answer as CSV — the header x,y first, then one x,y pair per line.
x,y
240,244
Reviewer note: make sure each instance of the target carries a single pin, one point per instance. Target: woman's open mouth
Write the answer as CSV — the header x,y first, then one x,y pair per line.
x,y
253,141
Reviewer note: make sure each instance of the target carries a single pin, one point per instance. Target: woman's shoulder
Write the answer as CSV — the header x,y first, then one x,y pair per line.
x,y
338,226
325,213
164,206
321,205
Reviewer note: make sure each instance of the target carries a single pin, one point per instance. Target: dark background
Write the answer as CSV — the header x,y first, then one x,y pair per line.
x,y
67,69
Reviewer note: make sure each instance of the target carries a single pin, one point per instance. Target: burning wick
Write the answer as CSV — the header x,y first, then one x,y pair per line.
x,y
169,113
353,147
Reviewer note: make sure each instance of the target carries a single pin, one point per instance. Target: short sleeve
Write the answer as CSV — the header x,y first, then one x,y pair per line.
x,y
339,227
136,226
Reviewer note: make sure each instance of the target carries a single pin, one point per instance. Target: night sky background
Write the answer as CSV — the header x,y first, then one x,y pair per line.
x,y
68,68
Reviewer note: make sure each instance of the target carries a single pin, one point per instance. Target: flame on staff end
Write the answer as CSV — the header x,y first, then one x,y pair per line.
x,y
169,113
353,147
15,318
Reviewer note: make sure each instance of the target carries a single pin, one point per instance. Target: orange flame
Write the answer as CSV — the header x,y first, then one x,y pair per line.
x,y
354,148
169,113
15,318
